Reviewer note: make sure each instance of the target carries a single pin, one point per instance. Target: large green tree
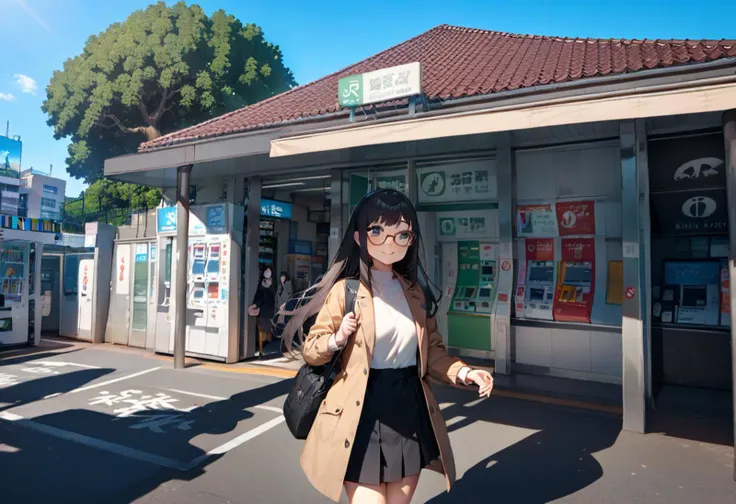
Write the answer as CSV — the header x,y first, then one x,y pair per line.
x,y
160,70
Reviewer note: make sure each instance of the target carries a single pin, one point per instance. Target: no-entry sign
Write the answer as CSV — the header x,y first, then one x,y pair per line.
x,y
630,292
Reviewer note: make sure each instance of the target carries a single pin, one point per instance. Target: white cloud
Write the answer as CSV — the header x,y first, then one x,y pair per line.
x,y
33,14
26,84
6,97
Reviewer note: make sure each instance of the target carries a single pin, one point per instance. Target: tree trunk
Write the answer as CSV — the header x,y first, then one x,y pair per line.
x,y
151,132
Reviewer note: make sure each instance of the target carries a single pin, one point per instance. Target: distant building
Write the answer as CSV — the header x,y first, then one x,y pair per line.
x,y
41,196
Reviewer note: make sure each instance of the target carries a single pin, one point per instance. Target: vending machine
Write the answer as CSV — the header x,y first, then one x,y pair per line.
x,y
692,293
575,289
214,278
535,290
14,315
473,296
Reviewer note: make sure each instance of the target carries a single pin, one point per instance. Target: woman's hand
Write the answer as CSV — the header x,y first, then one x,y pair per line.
x,y
483,379
348,327
253,310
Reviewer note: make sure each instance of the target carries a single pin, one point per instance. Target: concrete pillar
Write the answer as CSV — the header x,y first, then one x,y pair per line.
x,y
252,238
502,317
632,328
729,137
182,247
336,224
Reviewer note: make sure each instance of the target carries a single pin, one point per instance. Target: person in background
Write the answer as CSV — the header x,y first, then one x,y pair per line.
x,y
285,290
264,307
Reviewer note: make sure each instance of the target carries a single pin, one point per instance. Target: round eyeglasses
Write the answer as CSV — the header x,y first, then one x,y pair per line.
x,y
378,236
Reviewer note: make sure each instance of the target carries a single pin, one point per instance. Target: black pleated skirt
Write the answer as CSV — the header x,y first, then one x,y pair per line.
x,y
395,438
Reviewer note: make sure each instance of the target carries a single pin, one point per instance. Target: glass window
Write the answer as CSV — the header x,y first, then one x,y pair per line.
x,y
46,214
48,203
140,288
50,189
71,274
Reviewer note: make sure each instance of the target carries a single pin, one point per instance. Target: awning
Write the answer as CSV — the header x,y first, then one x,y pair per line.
x,y
630,104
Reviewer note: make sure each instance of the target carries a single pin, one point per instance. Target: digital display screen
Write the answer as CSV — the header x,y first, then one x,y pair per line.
x,y
470,292
694,296
541,274
198,267
577,275
213,266
536,294
488,270
485,293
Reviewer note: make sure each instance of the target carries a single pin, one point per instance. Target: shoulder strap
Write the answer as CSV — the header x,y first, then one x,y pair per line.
x,y
351,292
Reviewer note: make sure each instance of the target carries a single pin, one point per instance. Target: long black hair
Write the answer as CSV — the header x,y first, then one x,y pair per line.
x,y
384,206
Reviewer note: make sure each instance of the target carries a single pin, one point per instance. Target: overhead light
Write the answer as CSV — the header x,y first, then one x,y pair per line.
x,y
313,189
298,179
289,184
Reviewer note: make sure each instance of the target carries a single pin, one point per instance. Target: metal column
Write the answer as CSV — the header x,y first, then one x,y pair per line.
x,y
336,224
502,317
729,136
252,238
632,327
182,246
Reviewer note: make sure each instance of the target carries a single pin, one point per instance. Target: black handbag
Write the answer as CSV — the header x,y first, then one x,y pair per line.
x,y
312,383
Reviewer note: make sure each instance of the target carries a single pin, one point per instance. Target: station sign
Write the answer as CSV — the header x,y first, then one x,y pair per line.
x,y
465,181
276,209
386,84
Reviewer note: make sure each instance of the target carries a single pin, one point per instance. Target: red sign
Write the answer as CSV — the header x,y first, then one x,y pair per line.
x,y
503,298
578,249
725,293
506,265
540,249
630,292
576,217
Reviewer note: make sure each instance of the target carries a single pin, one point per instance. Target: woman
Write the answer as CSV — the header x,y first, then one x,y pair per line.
x,y
264,307
285,290
380,424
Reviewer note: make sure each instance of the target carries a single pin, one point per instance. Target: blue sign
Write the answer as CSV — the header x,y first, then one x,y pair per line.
x,y
216,219
692,273
276,209
301,247
166,219
10,157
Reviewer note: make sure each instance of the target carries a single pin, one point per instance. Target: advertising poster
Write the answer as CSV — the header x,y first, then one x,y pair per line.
x,y
576,217
10,152
536,220
468,181
725,298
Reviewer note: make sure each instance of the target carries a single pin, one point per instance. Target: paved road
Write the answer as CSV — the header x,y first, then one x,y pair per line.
x,y
96,424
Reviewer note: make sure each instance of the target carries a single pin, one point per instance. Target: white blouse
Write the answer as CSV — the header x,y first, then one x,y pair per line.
x,y
396,333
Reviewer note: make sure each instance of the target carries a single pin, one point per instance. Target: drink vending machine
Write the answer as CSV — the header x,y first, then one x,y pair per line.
x,y
214,279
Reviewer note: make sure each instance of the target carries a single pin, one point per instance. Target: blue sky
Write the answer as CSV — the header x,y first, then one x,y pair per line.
x,y
318,37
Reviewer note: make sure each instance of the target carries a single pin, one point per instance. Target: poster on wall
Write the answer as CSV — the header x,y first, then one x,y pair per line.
x,y
725,297
122,270
473,224
578,249
536,220
540,249
576,217
703,211
462,181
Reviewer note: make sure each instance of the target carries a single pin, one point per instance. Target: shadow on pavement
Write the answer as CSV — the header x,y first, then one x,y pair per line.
x,y
549,464
133,478
33,390
718,431
28,357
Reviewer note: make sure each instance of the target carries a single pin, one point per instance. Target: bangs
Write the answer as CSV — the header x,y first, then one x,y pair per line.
x,y
388,209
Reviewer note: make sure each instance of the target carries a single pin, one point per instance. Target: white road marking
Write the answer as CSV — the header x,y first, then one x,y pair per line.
x,y
118,449
454,420
51,396
197,394
234,443
108,382
64,363
220,398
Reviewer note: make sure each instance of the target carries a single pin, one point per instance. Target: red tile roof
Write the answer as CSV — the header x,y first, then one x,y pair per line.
x,y
459,62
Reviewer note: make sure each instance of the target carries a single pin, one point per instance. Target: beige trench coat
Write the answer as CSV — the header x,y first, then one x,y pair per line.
x,y
327,449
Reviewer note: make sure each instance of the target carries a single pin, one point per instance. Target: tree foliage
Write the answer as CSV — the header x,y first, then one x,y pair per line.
x,y
162,69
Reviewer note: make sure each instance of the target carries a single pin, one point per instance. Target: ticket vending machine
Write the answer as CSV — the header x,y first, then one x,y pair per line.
x,y
214,274
535,289
473,296
692,293
575,289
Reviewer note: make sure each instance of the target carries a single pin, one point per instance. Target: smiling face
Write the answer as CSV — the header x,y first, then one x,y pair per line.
x,y
387,244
